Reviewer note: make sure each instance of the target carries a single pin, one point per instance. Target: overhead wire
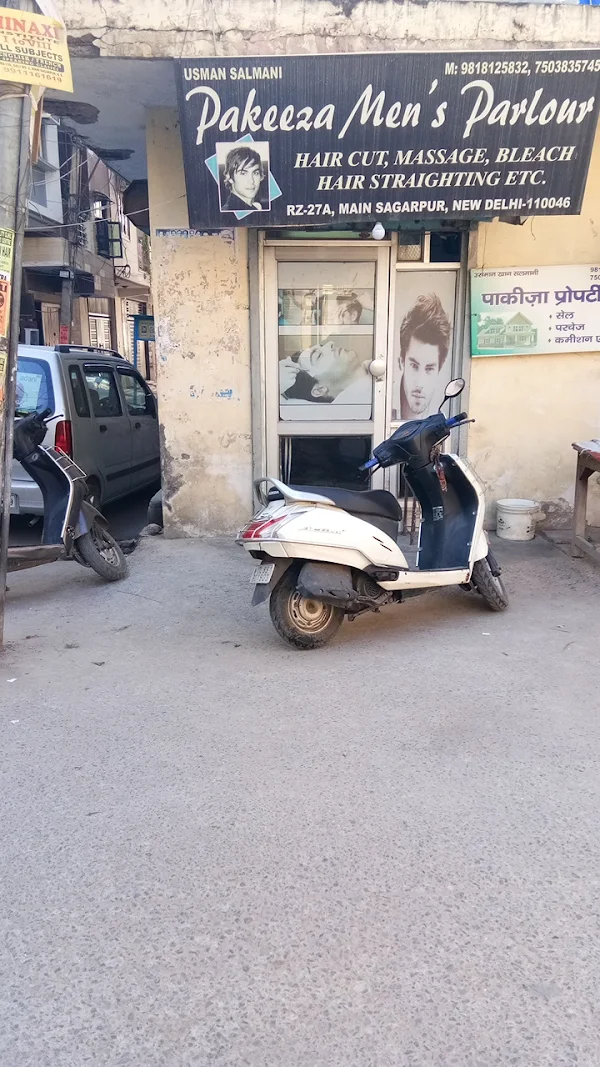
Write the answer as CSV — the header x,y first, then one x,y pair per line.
x,y
68,225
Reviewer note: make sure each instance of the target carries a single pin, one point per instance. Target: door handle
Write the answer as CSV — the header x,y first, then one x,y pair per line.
x,y
377,368
103,429
137,425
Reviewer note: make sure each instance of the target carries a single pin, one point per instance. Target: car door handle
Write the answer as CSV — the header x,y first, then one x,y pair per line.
x,y
103,429
137,425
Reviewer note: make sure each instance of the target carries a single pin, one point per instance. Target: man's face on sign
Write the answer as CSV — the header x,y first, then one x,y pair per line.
x,y
332,367
245,181
419,374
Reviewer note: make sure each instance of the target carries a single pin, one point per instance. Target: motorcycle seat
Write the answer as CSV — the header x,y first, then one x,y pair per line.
x,y
367,502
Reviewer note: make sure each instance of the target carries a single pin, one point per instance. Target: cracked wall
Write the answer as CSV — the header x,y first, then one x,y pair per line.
x,y
152,28
200,293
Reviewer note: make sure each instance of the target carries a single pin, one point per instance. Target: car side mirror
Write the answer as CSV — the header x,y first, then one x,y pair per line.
x,y
151,404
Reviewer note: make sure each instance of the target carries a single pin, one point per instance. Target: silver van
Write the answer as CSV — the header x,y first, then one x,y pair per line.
x,y
107,420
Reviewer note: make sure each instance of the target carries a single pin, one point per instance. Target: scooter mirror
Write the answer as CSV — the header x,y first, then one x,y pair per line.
x,y
454,388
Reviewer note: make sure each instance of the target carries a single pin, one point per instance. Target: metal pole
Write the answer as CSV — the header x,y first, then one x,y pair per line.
x,y
15,115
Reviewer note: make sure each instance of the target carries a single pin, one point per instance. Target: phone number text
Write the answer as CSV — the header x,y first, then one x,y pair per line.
x,y
523,66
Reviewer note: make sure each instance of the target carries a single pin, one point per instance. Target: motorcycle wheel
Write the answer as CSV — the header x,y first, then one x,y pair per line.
x,y
102,553
491,588
302,622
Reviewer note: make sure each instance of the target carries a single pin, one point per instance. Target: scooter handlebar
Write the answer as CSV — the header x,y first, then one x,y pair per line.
x,y
457,420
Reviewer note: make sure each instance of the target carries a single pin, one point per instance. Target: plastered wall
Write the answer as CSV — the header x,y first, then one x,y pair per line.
x,y
529,409
200,294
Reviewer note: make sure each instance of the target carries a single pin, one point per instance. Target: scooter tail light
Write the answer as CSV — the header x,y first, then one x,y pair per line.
x,y
258,528
63,440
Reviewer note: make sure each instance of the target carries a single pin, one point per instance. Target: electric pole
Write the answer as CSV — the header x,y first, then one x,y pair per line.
x,y
15,115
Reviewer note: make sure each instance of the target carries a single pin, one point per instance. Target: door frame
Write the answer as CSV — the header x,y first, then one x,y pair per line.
x,y
324,251
264,254
459,352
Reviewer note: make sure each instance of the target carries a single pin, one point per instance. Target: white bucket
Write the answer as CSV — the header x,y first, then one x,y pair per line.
x,y
516,519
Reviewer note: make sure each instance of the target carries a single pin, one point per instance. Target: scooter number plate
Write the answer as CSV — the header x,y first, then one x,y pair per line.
x,y
262,575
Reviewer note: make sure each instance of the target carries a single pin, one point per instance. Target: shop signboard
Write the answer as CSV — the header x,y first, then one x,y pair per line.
x,y
522,311
143,328
33,49
308,140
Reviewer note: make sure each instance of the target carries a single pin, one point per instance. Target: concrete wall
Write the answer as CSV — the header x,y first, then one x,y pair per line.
x,y
153,28
529,409
200,294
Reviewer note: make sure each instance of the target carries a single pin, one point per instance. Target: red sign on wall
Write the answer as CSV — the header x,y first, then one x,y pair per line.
x,y
63,335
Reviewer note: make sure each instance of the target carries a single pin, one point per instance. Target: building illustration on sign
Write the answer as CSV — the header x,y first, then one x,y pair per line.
x,y
517,332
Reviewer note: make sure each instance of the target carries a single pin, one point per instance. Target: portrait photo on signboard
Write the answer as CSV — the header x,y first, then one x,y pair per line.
x,y
424,317
325,317
244,176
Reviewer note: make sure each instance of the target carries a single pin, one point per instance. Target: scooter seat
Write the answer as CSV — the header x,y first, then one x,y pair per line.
x,y
369,502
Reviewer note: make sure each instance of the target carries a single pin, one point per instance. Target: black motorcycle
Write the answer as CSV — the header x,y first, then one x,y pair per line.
x,y
73,529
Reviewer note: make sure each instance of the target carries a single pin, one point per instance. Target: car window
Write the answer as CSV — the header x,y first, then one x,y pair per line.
x,y
134,392
34,385
78,389
103,391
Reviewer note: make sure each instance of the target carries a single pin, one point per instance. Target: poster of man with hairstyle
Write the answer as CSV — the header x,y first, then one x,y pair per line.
x,y
423,342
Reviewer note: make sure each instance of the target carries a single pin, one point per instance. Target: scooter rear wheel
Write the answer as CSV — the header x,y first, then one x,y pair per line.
x,y
301,621
102,553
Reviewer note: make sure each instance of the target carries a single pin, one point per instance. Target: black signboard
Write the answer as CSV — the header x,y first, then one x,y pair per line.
x,y
308,140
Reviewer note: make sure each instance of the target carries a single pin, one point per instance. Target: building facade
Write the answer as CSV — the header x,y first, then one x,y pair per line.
x,y
86,266
244,313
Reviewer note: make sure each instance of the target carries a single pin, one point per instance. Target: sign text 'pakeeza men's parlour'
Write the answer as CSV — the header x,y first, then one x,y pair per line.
x,y
309,139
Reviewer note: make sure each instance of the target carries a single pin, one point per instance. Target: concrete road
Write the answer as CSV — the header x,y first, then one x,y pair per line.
x,y
218,851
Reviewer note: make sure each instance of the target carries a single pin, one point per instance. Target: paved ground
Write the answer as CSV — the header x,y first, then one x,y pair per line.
x,y
217,851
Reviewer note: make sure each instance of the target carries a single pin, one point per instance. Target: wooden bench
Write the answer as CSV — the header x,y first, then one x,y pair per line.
x,y
588,463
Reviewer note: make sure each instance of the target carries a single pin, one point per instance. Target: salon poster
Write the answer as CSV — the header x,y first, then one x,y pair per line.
x,y
325,330
309,140
518,311
423,339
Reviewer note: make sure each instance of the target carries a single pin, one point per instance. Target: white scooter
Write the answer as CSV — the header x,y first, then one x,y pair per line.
x,y
325,553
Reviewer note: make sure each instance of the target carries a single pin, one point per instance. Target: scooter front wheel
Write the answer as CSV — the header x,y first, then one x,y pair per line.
x,y
301,621
102,553
489,586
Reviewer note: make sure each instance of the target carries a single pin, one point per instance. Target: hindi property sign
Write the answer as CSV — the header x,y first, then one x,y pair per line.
x,y
303,140
518,311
